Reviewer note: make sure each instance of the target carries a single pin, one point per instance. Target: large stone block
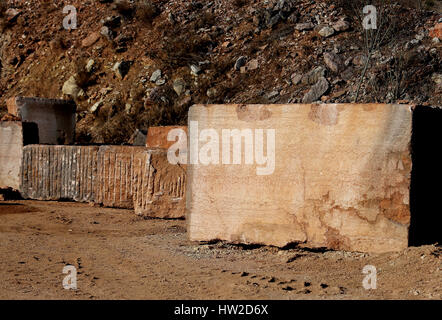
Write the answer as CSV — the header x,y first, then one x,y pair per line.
x,y
102,175
159,186
13,136
59,172
335,176
55,118
115,177
157,136
11,148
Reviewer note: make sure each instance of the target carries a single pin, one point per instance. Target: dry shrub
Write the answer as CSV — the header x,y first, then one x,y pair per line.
x,y
146,11
349,6
418,4
83,78
124,7
3,8
118,129
162,96
239,3
183,46
205,20
156,115
3,19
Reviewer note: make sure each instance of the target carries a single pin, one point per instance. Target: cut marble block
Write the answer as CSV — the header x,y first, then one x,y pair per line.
x,y
340,177
115,176
11,149
59,172
159,186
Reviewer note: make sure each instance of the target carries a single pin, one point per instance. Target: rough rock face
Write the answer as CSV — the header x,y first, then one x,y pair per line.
x,y
115,176
278,38
341,176
59,172
316,91
159,186
102,175
55,118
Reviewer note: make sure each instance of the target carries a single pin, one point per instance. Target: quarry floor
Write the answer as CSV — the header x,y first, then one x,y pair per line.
x,y
121,256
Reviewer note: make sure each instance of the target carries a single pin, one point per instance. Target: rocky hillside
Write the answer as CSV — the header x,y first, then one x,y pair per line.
x,y
133,64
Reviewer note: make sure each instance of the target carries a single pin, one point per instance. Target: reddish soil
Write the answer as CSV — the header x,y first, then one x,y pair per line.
x,y
121,256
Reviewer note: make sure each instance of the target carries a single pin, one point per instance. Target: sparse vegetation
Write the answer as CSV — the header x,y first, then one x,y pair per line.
x,y
389,23
3,8
3,20
239,3
124,7
146,11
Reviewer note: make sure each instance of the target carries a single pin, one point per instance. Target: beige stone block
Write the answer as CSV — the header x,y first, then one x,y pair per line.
x,y
159,186
11,149
341,176
157,136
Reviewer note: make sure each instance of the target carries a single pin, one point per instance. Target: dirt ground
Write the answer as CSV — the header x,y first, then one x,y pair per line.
x,y
121,256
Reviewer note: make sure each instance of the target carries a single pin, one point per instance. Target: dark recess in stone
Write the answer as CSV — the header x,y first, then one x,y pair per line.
x,y
426,177
30,133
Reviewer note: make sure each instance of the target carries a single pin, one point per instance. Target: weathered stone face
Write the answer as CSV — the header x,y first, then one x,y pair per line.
x,y
59,172
101,175
157,136
115,176
11,149
341,177
55,118
159,186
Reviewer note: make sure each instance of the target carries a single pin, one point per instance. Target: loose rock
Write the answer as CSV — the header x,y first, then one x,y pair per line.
x,y
317,91
179,86
332,61
241,61
327,32
156,75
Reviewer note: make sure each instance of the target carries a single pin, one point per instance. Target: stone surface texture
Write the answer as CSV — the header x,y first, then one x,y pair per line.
x,y
341,178
102,175
11,149
59,172
157,136
159,186
115,176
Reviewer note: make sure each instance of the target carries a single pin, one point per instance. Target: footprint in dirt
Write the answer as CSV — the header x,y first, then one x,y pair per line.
x,y
287,285
296,286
